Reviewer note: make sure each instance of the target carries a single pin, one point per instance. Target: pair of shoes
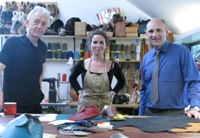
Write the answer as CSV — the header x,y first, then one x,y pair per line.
x,y
109,111
62,32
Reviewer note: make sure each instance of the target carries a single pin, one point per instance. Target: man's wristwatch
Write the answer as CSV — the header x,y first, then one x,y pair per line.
x,y
195,108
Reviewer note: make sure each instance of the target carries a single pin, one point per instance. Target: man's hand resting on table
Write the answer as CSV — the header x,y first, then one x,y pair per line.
x,y
193,113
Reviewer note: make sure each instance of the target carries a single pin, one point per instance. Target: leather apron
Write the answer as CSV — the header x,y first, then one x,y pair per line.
x,y
96,90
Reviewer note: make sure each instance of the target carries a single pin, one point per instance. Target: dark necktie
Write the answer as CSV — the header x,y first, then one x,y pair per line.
x,y
154,89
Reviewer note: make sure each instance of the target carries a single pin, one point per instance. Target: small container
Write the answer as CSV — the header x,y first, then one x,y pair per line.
x,y
54,54
64,47
10,108
86,55
64,54
76,55
81,55
64,77
49,54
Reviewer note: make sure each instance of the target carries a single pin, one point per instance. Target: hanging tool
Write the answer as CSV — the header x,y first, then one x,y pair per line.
x,y
52,89
58,87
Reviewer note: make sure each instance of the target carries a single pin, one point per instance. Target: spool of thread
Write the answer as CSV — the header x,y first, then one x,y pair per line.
x,y
58,46
59,53
117,57
64,47
86,55
132,48
112,47
123,56
122,47
115,47
81,47
64,54
112,55
133,52
49,46
128,49
118,47
53,54
53,46
70,54
64,77
49,54
76,55
81,55
137,56
138,48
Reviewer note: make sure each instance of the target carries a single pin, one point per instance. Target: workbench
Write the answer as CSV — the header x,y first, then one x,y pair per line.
x,y
130,132
59,107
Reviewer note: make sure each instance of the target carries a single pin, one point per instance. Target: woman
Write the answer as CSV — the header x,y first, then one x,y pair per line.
x,y
96,73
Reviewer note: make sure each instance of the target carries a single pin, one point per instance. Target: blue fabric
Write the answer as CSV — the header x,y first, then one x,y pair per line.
x,y
66,116
24,126
179,81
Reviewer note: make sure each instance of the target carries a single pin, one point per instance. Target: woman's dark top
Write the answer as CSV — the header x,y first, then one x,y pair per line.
x,y
80,69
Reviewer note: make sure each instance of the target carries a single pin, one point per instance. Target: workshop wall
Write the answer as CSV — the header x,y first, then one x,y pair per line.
x,y
86,10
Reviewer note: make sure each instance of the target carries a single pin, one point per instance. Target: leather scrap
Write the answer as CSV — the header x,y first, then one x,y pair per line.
x,y
193,127
85,113
156,124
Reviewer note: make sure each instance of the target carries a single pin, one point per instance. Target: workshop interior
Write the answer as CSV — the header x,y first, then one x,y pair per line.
x,y
56,86
124,22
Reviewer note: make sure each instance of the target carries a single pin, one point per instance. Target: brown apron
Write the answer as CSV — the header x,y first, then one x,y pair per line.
x,y
96,90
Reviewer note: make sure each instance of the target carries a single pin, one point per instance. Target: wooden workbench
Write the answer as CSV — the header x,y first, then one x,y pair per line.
x,y
130,132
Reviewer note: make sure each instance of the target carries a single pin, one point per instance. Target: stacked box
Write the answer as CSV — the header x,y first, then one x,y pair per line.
x,y
132,31
80,28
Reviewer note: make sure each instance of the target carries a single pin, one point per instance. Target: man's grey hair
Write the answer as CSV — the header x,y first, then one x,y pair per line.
x,y
38,9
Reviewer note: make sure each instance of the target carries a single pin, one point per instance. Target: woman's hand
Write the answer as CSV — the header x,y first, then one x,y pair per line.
x,y
112,95
80,92
1,100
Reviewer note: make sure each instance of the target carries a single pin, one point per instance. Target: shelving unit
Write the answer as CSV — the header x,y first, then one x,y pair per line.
x,y
54,66
73,44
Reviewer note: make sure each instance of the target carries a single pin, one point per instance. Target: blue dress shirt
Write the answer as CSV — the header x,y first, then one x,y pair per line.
x,y
179,80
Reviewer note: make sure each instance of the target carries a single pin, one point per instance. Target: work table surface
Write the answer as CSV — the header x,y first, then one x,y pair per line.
x,y
131,132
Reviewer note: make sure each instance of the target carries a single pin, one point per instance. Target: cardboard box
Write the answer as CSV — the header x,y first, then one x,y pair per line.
x,y
170,37
109,34
131,29
119,29
131,34
80,28
143,35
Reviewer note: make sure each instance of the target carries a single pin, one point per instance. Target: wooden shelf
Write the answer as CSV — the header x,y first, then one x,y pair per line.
x,y
78,37
125,38
57,60
76,60
57,36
